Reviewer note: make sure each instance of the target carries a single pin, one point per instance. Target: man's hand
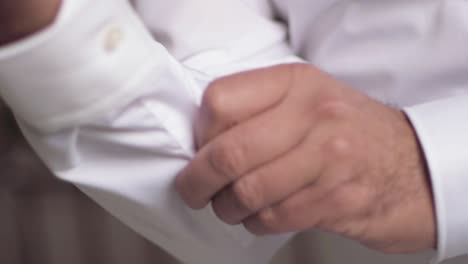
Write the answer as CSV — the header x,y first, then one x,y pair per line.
x,y
20,18
288,148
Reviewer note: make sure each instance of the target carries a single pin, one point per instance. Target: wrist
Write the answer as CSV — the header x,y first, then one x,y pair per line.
x,y
21,18
414,172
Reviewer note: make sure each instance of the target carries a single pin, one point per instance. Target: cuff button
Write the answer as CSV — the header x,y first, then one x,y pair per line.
x,y
113,38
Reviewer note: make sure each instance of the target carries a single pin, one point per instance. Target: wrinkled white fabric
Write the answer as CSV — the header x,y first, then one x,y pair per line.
x,y
110,110
106,97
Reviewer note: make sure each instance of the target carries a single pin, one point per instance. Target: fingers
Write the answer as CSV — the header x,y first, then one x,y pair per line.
x,y
270,184
233,154
238,97
301,211
326,204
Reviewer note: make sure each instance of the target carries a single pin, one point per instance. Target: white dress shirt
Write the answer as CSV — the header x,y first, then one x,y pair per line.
x,y
109,106
110,110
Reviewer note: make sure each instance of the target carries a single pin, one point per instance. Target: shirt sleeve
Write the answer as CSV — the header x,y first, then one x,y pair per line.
x,y
100,60
109,110
442,129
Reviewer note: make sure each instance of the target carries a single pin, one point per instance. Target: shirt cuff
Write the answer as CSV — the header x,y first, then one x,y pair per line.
x,y
442,129
87,62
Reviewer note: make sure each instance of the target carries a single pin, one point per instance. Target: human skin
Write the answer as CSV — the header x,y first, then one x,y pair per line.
x,y
288,148
21,18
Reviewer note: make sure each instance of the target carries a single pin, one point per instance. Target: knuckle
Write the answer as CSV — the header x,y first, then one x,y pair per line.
x,y
333,107
215,100
302,69
363,201
247,194
298,73
226,157
338,147
269,220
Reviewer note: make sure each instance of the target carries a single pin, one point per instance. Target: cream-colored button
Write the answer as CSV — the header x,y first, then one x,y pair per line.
x,y
113,38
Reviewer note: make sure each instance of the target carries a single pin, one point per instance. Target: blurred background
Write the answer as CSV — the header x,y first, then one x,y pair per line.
x,y
46,221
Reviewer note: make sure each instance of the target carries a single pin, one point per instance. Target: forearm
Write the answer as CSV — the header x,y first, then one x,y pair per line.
x,y
20,18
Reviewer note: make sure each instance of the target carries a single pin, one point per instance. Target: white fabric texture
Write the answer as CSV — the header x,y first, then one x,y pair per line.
x,y
115,119
121,135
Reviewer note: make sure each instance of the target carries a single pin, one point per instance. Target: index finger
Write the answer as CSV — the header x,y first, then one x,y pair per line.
x,y
233,99
241,149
